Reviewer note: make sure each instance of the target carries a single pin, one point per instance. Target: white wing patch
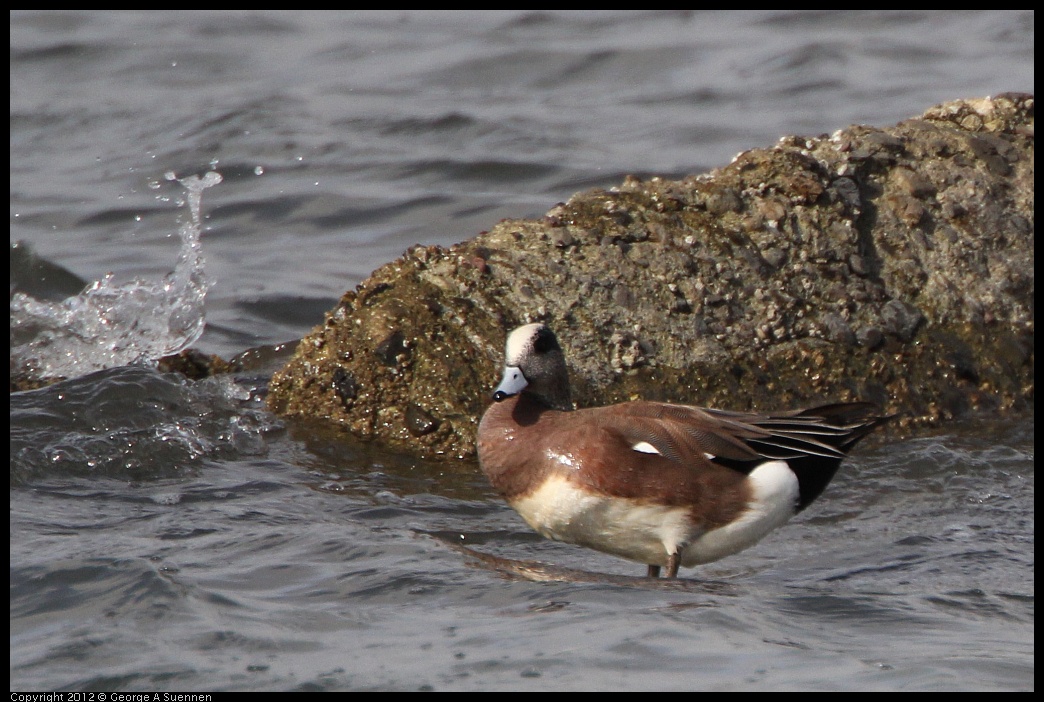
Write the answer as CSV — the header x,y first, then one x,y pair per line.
x,y
645,447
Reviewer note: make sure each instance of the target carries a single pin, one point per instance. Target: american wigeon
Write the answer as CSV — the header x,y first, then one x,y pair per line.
x,y
661,484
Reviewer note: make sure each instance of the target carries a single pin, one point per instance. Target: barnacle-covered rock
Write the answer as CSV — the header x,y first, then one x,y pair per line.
x,y
888,264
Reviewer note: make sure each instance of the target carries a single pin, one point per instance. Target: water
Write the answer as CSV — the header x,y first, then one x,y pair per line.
x,y
106,325
172,535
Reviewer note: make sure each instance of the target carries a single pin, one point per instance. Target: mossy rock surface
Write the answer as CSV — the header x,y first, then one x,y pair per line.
x,y
886,264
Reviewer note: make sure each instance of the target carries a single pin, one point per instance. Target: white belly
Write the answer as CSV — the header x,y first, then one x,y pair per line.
x,y
649,533
640,532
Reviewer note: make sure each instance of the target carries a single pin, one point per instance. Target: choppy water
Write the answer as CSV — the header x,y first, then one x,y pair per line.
x,y
171,535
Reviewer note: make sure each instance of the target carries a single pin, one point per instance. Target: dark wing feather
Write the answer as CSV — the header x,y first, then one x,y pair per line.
x,y
812,442
680,432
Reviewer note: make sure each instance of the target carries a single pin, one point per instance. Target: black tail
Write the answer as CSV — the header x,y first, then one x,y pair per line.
x,y
813,442
853,422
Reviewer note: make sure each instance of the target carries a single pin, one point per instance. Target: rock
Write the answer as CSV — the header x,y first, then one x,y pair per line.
x,y
893,265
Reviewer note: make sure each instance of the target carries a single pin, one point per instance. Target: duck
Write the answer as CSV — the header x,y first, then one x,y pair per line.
x,y
665,485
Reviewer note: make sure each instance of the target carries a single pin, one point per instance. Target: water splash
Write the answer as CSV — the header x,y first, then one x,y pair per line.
x,y
109,325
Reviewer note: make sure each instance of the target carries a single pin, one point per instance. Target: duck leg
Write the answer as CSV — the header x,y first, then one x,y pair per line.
x,y
673,563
